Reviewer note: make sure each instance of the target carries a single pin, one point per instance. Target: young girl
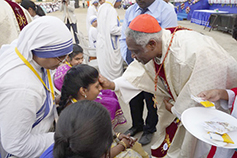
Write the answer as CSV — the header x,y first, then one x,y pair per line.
x,y
75,58
105,97
80,83
34,10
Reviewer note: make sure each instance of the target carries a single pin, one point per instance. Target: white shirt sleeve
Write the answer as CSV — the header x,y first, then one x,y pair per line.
x,y
122,40
176,113
114,28
71,6
127,90
231,96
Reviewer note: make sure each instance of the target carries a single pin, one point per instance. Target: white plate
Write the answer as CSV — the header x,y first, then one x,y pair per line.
x,y
194,118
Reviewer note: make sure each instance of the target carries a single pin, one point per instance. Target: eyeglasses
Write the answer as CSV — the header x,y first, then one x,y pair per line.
x,y
64,59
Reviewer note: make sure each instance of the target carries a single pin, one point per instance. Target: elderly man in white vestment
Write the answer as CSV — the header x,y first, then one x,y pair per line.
x,y
172,67
109,58
12,20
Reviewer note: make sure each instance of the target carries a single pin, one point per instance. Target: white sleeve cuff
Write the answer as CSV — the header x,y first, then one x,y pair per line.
x,y
116,83
231,96
175,113
127,90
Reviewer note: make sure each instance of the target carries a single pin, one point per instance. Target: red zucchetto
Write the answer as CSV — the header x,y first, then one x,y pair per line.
x,y
145,23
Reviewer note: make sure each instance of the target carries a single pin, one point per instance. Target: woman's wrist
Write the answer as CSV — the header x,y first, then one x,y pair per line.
x,y
117,135
111,85
122,143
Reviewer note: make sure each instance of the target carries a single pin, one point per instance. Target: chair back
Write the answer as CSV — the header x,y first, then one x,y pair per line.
x,y
87,51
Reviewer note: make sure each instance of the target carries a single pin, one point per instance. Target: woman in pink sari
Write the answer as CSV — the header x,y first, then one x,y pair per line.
x,y
106,97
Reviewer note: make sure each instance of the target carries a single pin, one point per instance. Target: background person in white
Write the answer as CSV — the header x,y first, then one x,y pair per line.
x,y
168,2
69,17
92,10
93,35
109,58
43,43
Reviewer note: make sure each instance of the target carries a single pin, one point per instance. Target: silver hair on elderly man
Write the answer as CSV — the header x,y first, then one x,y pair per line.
x,y
142,38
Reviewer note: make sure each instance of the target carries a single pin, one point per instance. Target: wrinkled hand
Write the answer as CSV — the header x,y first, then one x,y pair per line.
x,y
168,105
211,95
105,83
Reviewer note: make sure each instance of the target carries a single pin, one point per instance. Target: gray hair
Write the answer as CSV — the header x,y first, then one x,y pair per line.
x,y
142,38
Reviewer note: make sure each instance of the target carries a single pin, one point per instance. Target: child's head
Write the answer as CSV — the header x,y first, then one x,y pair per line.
x,y
117,3
93,20
95,3
32,8
76,57
101,1
83,130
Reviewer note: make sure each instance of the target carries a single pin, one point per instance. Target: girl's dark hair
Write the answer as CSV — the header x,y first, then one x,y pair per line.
x,y
83,130
78,76
76,50
29,4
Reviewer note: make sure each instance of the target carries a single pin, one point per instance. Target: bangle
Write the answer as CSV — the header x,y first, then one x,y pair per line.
x,y
123,144
117,135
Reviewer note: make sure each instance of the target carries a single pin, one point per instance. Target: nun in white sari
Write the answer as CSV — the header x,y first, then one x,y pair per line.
x,y
108,53
26,108
92,10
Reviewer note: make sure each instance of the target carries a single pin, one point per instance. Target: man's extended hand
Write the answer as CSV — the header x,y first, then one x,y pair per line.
x,y
105,83
214,94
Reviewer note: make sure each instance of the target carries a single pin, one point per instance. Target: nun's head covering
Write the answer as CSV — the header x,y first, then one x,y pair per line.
x,y
93,18
94,1
46,37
